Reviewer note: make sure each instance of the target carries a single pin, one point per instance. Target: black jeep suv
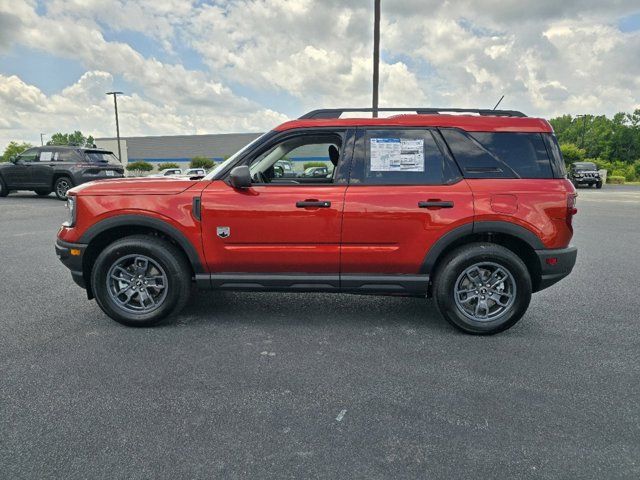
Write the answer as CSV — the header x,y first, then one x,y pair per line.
x,y
57,169
585,173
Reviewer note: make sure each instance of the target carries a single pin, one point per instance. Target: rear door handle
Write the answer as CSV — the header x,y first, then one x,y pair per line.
x,y
313,204
435,204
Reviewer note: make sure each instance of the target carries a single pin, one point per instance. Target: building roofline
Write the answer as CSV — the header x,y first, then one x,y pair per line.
x,y
180,135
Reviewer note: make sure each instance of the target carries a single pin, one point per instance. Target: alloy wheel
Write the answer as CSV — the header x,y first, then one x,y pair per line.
x,y
137,284
485,291
62,186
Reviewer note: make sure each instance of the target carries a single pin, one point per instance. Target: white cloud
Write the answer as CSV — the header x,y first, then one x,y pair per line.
x,y
547,57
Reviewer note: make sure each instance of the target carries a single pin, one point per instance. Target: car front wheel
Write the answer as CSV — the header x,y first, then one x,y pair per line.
x,y
482,288
61,187
140,280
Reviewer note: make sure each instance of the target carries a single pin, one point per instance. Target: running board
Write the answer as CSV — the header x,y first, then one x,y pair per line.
x,y
348,283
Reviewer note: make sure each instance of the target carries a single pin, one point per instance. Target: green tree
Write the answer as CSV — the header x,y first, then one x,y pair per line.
x,y
75,138
13,149
164,166
140,166
571,153
202,162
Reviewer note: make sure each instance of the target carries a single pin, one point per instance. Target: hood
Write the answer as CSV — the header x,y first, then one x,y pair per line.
x,y
135,186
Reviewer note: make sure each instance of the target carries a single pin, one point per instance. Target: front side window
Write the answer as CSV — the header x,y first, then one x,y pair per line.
x,y
309,158
399,157
28,156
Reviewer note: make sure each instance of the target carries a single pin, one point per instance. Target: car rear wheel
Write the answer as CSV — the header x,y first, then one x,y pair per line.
x,y
482,288
140,280
43,193
4,191
61,187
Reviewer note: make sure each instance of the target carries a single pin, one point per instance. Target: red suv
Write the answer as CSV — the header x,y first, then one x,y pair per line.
x,y
470,207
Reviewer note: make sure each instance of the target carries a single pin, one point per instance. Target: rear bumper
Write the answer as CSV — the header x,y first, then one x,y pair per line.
x,y
70,258
555,265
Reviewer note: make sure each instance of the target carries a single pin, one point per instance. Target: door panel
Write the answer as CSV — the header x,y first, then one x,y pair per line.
x,y
16,175
41,171
385,230
399,205
268,232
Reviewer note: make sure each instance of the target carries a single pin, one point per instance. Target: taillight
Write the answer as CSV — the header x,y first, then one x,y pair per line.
x,y
571,207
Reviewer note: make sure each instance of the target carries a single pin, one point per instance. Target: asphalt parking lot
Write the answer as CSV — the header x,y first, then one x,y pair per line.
x,y
321,386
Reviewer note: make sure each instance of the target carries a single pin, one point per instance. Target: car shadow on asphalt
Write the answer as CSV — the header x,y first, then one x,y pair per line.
x,y
206,307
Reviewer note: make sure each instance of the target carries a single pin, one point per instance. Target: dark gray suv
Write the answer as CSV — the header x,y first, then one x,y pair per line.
x,y
57,169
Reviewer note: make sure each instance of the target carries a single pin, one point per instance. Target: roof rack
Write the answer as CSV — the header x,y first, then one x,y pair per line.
x,y
337,112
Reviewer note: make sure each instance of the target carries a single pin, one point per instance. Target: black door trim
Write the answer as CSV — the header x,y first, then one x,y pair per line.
x,y
347,283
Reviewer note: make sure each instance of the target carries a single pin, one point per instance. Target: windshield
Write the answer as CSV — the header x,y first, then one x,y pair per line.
x,y
101,157
230,160
585,166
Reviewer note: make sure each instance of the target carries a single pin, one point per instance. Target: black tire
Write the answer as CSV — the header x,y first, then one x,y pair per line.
x,y
61,186
165,255
599,185
43,192
451,272
4,191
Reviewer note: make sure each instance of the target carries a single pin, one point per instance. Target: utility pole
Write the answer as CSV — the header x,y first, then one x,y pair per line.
x,y
376,55
115,105
41,139
584,128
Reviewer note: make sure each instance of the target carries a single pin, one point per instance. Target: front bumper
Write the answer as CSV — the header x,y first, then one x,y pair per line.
x,y
555,265
71,255
589,180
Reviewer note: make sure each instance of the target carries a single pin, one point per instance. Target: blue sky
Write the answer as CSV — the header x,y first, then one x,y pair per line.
x,y
224,66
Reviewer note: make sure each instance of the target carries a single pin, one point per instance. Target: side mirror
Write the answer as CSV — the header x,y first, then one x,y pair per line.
x,y
14,159
240,177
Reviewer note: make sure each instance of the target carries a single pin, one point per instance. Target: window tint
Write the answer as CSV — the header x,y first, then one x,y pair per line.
x,y
28,156
557,162
523,152
399,157
101,157
499,154
66,156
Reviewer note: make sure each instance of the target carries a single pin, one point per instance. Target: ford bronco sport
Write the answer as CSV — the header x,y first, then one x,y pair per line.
x,y
472,208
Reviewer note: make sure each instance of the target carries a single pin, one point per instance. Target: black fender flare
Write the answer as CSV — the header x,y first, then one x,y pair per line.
x,y
136,220
471,228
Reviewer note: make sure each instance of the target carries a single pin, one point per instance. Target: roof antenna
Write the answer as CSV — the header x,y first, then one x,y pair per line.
x,y
498,102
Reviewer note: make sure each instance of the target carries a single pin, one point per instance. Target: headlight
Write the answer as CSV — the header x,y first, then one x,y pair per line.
x,y
71,205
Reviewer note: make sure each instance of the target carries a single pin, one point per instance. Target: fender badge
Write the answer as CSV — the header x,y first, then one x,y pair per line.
x,y
223,232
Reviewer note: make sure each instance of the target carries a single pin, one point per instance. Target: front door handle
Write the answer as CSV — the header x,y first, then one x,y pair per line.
x,y
434,204
313,204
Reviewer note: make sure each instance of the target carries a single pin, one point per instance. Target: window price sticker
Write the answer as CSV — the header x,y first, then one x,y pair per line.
x,y
397,155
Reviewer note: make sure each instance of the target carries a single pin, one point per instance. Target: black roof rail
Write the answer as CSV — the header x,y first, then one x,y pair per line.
x,y
337,112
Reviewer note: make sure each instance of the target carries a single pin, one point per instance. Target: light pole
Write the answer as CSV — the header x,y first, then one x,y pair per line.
x,y
115,105
584,127
41,139
376,55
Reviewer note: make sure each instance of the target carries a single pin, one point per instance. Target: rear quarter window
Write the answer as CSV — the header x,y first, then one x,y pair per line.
x,y
500,154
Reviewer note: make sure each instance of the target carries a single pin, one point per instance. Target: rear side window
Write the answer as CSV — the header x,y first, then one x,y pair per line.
x,y
399,157
557,162
500,154
101,157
